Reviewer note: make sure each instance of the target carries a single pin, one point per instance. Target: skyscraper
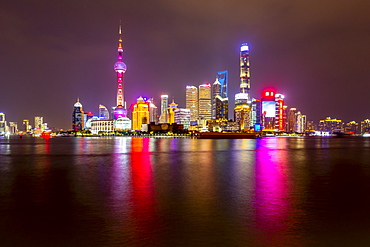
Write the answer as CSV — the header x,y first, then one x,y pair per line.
x,y
120,68
292,120
245,82
222,106
26,125
13,128
216,94
268,110
280,117
223,78
164,108
205,104
220,100
77,117
192,102
103,112
256,114
153,111
39,122
243,99
2,123
140,114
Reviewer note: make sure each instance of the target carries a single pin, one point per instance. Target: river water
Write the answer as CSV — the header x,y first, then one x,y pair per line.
x,y
132,191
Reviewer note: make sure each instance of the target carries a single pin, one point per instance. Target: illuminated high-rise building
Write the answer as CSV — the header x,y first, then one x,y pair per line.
x,y
205,103
164,109
280,116
331,125
365,126
192,102
242,99
245,81
216,97
268,110
310,127
171,112
77,117
220,101
352,128
242,115
2,123
221,107
301,122
153,111
26,125
256,114
39,122
223,78
244,95
13,128
103,112
120,68
292,120
182,116
140,114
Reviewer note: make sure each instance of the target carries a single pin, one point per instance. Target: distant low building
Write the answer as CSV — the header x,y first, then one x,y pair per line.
x,y
352,128
365,126
331,125
99,126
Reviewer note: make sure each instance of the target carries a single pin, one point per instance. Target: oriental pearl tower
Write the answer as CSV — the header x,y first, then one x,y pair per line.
x,y
120,68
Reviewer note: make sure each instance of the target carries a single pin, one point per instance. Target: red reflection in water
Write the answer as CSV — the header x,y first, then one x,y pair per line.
x,y
273,203
143,196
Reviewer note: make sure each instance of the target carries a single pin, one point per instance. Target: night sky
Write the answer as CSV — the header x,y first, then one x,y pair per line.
x,y
316,53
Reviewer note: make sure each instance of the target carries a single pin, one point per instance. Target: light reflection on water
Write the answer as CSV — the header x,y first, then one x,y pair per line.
x,y
184,192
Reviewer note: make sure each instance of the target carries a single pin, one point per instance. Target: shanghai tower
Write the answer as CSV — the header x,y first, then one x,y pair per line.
x,y
245,80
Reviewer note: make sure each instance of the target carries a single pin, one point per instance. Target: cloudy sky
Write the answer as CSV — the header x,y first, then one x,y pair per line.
x,y
315,52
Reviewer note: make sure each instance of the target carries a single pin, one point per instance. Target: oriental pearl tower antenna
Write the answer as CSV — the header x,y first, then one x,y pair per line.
x,y
120,68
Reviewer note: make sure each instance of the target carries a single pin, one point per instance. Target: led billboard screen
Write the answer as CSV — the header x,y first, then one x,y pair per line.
x,y
268,108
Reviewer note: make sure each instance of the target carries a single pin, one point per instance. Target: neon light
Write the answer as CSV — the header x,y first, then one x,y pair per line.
x,y
244,47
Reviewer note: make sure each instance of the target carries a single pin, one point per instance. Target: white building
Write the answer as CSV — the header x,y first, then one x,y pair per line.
x,y
182,116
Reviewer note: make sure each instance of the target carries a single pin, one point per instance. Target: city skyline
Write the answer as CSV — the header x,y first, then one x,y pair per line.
x,y
315,62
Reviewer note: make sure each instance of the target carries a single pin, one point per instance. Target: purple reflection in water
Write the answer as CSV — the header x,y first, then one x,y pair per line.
x,y
273,199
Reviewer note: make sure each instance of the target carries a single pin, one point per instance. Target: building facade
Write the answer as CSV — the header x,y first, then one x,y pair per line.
x,y
26,125
331,125
39,122
365,126
191,102
164,109
153,111
2,123
103,112
140,114
171,112
205,102
77,117
268,103
182,116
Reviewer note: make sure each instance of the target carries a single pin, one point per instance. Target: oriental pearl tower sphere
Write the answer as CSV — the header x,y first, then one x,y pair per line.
x,y
120,68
